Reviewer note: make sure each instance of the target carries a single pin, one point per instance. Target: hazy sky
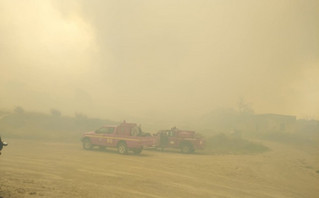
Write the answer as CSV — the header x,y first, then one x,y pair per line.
x,y
159,58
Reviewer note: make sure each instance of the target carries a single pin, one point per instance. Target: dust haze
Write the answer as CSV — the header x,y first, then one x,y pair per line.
x,y
242,74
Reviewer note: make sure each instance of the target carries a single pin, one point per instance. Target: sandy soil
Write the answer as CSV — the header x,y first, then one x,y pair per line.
x,y
45,169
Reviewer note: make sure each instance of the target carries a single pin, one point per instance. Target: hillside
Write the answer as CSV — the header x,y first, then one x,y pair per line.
x,y
33,125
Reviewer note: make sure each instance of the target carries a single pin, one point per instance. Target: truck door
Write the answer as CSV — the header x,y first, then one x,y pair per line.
x,y
164,139
172,139
108,137
98,138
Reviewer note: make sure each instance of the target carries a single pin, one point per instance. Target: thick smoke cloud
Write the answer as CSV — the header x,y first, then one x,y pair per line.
x,y
164,59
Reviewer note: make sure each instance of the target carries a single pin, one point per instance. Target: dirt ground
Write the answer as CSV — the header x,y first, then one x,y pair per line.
x,y
30,168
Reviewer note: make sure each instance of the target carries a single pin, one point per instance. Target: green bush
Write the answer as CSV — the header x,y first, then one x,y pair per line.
x,y
226,144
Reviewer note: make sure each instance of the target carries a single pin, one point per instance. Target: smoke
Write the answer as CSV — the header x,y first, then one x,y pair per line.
x,y
172,59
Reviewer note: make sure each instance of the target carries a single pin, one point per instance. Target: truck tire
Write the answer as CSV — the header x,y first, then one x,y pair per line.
x,y
122,148
137,150
87,145
186,148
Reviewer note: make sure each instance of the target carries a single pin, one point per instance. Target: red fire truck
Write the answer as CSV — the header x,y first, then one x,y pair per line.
x,y
125,137
186,141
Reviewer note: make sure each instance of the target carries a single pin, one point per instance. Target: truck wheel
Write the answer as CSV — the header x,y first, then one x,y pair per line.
x,y
186,148
137,150
122,148
87,145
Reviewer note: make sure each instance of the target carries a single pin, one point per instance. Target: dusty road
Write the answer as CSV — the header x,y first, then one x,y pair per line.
x,y
45,169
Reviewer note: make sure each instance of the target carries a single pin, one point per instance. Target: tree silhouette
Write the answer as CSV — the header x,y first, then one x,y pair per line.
x,y
55,112
18,109
244,107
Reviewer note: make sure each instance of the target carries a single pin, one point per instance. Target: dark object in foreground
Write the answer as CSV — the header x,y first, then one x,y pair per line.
x,y
2,144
